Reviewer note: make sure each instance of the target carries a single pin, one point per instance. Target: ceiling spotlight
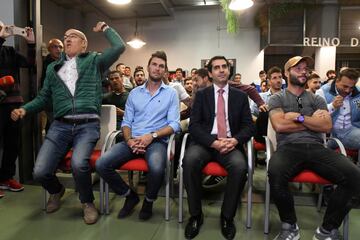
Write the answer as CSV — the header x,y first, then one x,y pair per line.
x,y
240,4
136,42
119,2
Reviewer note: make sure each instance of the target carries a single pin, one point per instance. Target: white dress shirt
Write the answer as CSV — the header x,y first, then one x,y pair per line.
x,y
69,74
343,121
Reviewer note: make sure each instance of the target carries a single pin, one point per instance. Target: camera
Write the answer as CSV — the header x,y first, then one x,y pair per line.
x,y
13,30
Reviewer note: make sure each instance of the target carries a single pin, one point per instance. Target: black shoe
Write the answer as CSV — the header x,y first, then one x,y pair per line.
x,y
228,229
213,181
193,226
146,210
130,202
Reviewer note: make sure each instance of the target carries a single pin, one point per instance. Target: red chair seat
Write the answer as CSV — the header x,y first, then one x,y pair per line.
x,y
65,164
349,152
259,146
307,176
138,164
214,168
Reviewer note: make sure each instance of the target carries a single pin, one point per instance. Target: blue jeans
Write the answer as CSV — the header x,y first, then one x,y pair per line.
x,y
121,153
349,137
60,138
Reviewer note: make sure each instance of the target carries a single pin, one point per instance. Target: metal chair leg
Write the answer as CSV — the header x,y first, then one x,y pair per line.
x,y
267,207
101,196
44,199
346,227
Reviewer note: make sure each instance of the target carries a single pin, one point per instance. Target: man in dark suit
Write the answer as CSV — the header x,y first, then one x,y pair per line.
x,y
220,123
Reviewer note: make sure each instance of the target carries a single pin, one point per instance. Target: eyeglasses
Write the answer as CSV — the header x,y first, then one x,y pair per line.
x,y
299,103
57,46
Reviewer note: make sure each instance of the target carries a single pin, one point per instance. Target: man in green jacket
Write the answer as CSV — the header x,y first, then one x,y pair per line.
x,y
74,84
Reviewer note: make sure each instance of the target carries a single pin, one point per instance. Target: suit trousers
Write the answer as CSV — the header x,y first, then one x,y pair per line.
x,y
195,159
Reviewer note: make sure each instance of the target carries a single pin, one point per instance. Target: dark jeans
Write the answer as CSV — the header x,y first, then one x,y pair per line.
x,y
58,141
196,157
120,154
291,159
9,132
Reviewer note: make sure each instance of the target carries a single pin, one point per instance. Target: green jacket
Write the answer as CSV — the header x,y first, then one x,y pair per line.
x,y
88,93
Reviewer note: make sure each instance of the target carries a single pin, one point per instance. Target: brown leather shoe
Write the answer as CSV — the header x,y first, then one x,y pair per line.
x,y
53,203
90,213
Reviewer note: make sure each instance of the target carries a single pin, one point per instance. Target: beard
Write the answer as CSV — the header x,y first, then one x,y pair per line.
x,y
156,78
295,81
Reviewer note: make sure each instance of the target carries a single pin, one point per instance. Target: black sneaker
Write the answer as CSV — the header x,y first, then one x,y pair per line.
x,y
130,202
146,210
213,181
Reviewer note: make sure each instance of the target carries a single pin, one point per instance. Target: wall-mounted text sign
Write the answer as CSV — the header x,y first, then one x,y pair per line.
x,y
328,42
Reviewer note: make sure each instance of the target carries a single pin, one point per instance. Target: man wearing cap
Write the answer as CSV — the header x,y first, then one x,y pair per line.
x,y
73,83
300,118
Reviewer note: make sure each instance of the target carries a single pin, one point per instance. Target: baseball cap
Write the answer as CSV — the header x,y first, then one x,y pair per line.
x,y
295,60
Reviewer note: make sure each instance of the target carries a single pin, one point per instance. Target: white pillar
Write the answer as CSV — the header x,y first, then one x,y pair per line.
x,y
324,60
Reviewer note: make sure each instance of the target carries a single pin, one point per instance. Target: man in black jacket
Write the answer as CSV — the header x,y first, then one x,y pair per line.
x,y
10,63
220,123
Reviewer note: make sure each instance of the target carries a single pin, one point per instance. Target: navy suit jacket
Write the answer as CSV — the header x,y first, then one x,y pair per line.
x,y
203,116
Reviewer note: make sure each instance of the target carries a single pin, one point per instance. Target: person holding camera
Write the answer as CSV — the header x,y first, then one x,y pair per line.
x,y
10,63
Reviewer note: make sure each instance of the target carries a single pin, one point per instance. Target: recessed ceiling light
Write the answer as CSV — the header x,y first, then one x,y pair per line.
x,y
119,2
240,4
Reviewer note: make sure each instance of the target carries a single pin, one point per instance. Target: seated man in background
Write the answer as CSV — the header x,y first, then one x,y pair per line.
x,y
262,117
300,120
74,85
220,123
188,86
343,102
117,96
151,115
313,83
139,76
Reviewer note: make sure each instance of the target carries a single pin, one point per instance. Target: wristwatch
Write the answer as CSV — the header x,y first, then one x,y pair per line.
x,y
300,119
154,135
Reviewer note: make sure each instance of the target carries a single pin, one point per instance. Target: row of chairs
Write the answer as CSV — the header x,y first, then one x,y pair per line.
x,y
108,137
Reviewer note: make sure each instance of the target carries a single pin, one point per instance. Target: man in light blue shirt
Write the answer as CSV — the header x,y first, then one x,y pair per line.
x,y
151,115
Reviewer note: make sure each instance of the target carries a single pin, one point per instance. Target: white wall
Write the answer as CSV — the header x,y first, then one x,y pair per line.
x,y
7,17
187,38
56,20
325,58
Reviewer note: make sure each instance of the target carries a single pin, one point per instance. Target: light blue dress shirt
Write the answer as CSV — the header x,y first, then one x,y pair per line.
x,y
145,113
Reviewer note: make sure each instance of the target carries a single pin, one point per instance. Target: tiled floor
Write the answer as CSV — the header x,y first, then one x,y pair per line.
x,y
21,218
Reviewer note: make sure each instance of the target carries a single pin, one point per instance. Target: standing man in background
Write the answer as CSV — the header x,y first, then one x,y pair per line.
x,y
10,63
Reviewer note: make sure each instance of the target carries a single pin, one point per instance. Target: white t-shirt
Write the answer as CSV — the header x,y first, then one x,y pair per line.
x,y
182,94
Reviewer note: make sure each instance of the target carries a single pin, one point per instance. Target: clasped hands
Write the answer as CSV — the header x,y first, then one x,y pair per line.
x,y
138,145
224,145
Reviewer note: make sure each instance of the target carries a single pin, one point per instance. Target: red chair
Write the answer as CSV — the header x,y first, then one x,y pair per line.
x,y
139,164
215,169
353,153
107,127
305,176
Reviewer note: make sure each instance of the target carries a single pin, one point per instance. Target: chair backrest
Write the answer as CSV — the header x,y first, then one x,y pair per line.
x,y
107,123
